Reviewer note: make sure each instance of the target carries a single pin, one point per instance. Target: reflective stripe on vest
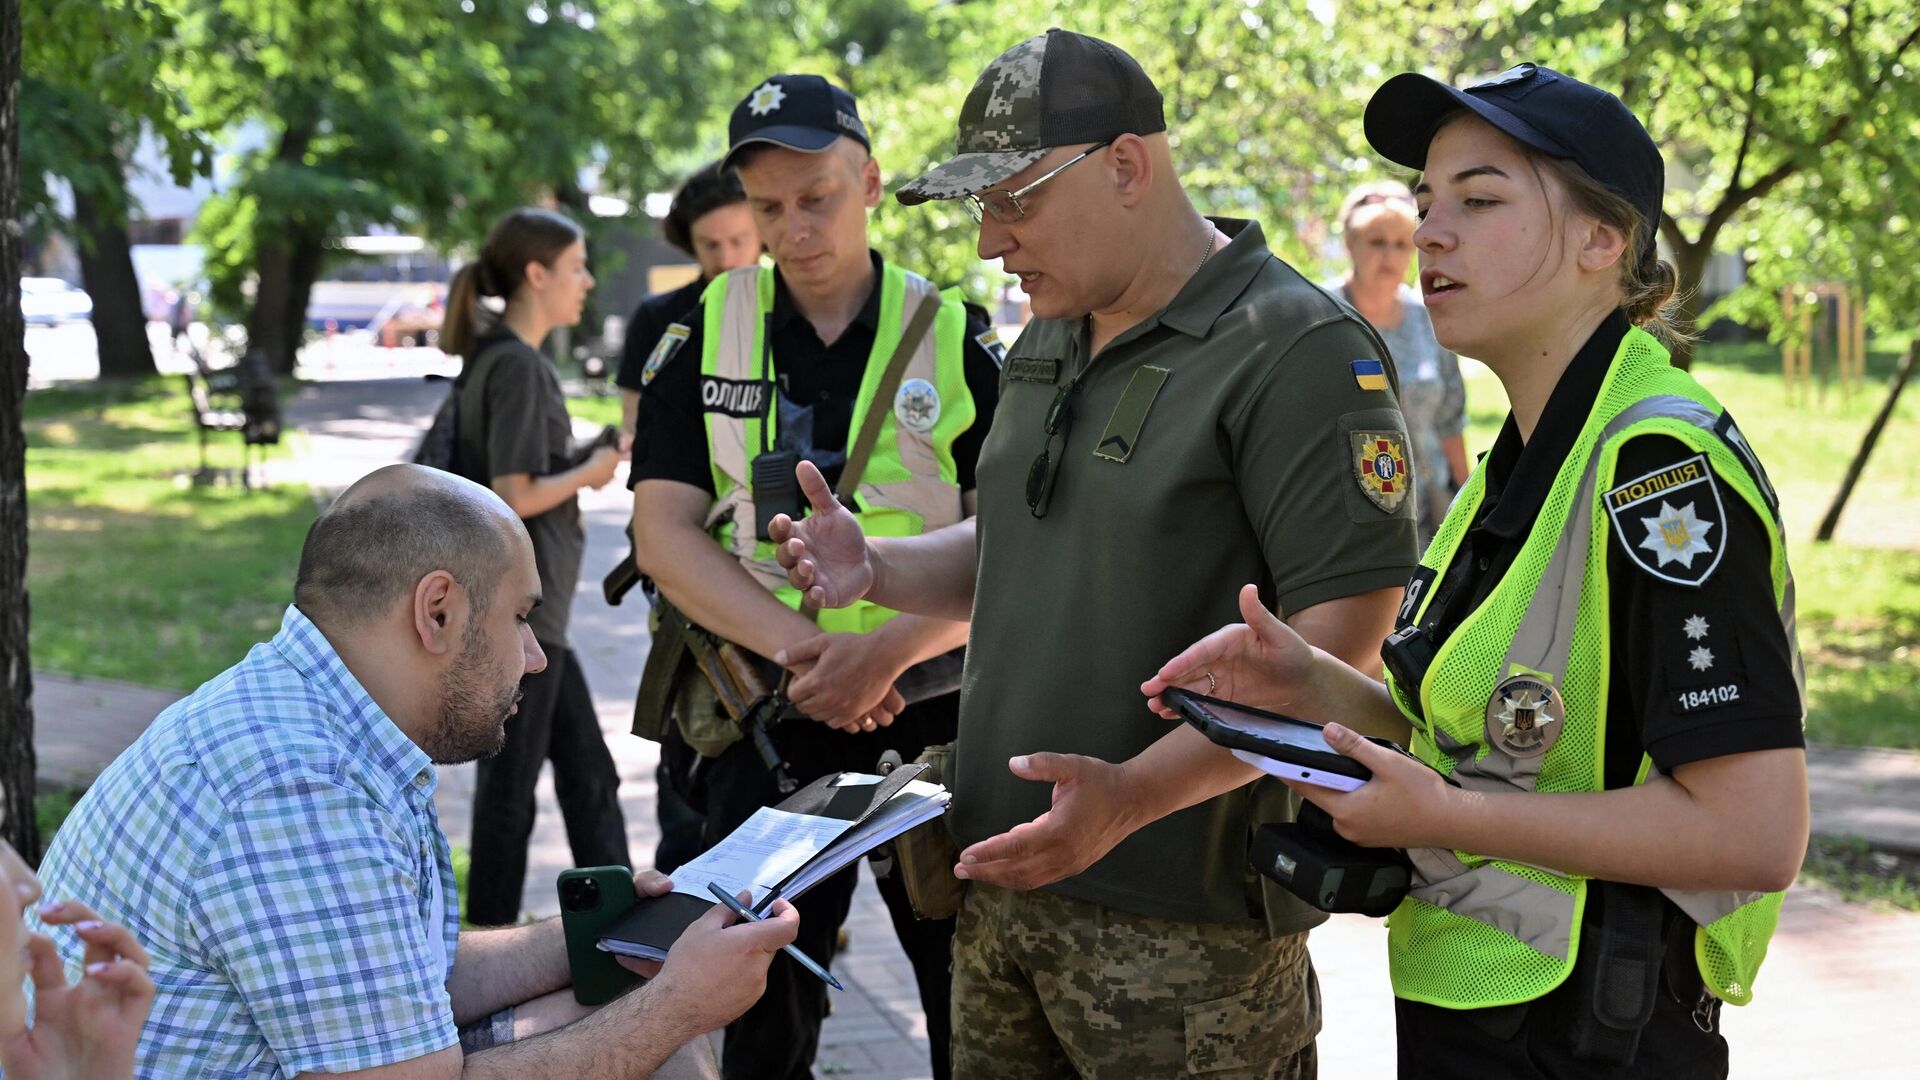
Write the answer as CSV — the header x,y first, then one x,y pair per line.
x,y
1559,631
910,484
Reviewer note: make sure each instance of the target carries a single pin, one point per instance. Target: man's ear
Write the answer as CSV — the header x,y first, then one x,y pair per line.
x,y
439,609
871,189
1602,247
1131,168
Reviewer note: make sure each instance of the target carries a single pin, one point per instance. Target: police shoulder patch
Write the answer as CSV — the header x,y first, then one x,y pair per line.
x,y
1670,522
1380,467
663,350
989,339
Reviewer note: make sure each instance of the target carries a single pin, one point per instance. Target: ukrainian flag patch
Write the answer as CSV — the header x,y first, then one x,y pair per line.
x,y
1369,374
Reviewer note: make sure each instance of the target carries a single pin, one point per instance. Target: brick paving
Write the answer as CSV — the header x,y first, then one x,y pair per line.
x,y
1837,975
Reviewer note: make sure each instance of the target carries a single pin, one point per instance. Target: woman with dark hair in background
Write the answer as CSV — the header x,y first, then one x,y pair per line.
x,y
709,221
1377,221
515,433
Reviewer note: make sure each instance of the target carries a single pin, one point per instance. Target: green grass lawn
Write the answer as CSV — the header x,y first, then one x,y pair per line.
x,y
137,575
1859,596
600,409
133,572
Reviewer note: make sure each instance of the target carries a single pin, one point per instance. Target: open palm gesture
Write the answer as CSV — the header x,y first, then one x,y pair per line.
x,y
1260,662
825,556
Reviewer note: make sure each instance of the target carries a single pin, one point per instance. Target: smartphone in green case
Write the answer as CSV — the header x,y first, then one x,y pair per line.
x,y
592,898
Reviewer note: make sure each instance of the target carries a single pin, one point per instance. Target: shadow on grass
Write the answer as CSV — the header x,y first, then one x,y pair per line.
x,y
135,573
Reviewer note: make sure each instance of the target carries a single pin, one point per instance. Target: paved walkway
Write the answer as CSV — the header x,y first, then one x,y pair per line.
x,y
1836,974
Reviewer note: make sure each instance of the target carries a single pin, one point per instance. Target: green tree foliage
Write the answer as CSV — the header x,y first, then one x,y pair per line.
x,y
1791,125
93,84
1790,129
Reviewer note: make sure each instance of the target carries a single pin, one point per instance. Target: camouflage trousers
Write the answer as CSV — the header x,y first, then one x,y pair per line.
x,y
1047,986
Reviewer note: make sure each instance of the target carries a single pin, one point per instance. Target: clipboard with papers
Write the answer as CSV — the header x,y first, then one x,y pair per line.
x,y
782,851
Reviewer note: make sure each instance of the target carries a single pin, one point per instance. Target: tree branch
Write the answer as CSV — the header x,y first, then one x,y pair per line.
x,y
1746,130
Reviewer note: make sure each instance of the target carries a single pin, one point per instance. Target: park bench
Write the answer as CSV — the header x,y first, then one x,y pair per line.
x,y
241,399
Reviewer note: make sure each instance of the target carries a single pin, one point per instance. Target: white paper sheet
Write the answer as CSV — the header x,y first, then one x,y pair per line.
x,y
759,854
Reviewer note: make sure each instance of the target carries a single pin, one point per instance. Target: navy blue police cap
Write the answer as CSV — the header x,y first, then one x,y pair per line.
x,y
800,112
1553,113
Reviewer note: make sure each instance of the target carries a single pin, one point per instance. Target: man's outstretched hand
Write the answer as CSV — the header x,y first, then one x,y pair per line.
x,y
826,555
1092,811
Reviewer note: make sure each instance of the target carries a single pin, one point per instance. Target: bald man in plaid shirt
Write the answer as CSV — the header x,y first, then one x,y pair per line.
x,y
272,838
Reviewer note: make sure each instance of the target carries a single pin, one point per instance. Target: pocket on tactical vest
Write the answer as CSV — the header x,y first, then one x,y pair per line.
x,y
924,856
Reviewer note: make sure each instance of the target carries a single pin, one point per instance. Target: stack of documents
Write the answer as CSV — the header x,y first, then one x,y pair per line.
x,y
782,851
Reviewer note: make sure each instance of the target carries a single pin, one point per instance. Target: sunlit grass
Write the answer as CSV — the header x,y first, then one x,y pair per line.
x,y
133,572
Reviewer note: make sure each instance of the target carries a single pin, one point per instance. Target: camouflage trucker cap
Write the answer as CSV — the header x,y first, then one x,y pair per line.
x,y
1057,89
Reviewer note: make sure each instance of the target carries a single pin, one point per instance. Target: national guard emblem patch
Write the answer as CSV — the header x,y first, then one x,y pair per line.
x,y
663,350
1670,522
917,405
1380,467
1524,716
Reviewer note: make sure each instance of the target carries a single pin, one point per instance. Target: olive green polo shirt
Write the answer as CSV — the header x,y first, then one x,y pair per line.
x,y
1219,442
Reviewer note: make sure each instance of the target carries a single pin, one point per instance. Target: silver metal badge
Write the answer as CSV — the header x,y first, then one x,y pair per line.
x,y
1524,716
917,405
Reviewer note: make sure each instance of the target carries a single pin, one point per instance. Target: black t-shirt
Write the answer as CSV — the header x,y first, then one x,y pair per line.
x,y
522,426
670,435
1698,670
650,320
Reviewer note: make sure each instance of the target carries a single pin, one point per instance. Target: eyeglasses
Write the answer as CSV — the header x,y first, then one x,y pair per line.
x,y
1040,475
1005,206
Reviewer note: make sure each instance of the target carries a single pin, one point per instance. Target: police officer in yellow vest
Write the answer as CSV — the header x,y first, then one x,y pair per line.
x,y
1595,666
788,363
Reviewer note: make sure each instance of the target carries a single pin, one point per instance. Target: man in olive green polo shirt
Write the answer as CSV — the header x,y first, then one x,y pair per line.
x,y
1187,414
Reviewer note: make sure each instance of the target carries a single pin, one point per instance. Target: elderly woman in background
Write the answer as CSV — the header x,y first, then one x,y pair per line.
x,y
1377,221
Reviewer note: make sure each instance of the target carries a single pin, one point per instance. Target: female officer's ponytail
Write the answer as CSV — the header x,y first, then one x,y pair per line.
x,y
526,235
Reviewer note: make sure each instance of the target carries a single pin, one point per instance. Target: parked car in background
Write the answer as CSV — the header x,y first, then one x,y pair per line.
x,y
45,300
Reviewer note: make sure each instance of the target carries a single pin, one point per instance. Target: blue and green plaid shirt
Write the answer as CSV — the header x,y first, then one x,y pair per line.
x,y
272,840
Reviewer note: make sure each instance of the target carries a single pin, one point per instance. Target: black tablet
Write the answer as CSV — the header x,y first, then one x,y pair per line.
x,y
1277,745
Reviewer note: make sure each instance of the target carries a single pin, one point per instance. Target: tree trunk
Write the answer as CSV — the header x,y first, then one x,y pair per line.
x,y
268,326
106,269
17,824
304,269
1690,262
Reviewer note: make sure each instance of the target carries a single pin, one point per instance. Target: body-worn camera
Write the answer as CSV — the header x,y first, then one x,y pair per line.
x,y
1408,652
1313,862
776,490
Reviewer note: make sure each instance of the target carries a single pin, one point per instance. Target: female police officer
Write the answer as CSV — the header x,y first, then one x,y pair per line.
x,y
1595,661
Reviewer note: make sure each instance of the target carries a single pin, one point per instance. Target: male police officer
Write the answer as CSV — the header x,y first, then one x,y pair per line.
x,y
782,364
1181,376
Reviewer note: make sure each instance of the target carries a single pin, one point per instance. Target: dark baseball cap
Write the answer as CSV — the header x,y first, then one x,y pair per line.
x,y
1057,89
800,112
1555,114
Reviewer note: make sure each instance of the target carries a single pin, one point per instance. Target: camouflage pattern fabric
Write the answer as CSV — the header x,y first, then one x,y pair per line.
x,y
999,128
1047,986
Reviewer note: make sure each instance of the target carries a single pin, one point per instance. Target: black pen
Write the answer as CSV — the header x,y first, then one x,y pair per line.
x,y
806,961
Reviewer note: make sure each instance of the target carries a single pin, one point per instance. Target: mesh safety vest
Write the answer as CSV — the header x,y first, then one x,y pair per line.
x,y
910,484
1476,931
